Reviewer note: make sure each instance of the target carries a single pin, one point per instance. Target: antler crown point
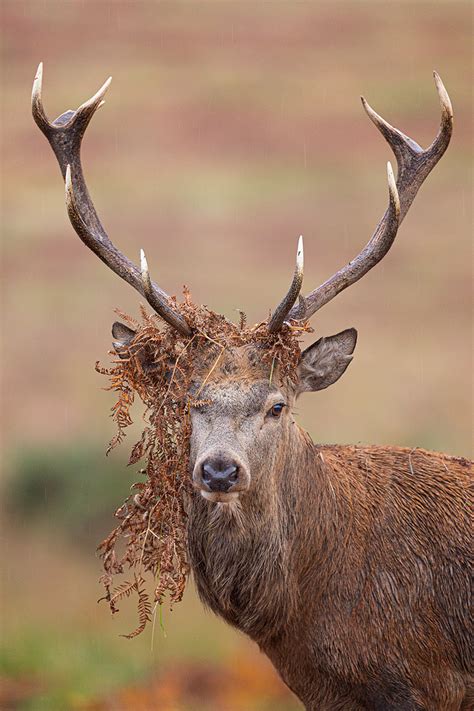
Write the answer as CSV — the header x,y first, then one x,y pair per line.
x,y
300,254
444,99
37,84
143,261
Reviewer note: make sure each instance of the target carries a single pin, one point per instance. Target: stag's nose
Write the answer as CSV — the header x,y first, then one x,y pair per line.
x,y
219,476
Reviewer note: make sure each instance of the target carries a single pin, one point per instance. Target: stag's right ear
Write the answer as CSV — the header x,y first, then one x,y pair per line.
x,y
325,361
123,335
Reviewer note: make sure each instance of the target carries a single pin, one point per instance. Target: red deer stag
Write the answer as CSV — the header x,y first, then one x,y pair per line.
x,y
347,565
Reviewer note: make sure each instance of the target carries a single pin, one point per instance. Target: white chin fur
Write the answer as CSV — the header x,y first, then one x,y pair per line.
x,y
220,497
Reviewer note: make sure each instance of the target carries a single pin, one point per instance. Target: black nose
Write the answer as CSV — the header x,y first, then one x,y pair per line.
x,y
219,476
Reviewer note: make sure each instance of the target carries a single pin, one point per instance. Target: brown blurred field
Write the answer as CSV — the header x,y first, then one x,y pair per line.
x,y
230,128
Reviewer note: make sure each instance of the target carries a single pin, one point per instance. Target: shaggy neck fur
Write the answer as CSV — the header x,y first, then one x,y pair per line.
x,y
336,566
246,556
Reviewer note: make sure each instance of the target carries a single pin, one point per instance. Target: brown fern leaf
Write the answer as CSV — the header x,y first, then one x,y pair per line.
x,y
100,369
199,403
128,319
158,366
144,609
138,449
124,590
243,319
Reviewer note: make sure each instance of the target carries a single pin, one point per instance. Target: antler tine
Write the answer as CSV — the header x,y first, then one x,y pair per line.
x,y
65,136
414,165
149,292
281,312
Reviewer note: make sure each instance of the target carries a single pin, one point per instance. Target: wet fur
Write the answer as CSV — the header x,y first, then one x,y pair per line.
x,y
350,570
349,566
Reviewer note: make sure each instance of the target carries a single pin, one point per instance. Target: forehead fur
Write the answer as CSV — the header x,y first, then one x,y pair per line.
x,y
230,398
235,377
231,364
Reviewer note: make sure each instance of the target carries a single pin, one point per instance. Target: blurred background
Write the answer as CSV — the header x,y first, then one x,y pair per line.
x,y
230,128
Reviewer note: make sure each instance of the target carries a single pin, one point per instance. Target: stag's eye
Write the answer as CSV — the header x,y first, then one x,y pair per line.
x,y
277,409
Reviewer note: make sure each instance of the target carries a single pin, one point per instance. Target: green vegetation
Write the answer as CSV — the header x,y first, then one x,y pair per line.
x,y
76,489
60,647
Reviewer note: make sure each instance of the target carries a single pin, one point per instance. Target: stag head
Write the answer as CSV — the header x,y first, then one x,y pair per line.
x,y
244,420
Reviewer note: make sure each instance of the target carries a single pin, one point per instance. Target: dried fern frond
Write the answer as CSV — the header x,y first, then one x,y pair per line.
x,y
158,366
144,608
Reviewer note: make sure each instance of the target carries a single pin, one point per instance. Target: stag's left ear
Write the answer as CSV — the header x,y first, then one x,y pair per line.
x,y
325,361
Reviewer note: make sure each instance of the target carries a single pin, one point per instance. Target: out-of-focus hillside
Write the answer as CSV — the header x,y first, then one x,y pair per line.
x,y
230,129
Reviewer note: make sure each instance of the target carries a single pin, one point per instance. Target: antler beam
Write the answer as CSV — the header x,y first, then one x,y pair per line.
x,y
65,136
414,165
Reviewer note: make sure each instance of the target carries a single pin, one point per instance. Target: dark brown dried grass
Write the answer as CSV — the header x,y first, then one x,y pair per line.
x,y
159,366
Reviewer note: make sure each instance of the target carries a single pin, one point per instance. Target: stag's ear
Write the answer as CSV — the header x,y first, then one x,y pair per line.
x,y
122,335
325,361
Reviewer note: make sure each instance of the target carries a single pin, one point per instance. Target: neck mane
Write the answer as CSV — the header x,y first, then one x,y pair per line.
x,y
251,559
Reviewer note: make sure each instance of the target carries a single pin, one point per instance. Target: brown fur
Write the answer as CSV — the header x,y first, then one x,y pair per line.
x,y
347,565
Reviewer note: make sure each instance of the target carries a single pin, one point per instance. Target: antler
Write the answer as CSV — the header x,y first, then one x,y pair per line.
x,y
65,136
279,315
414,165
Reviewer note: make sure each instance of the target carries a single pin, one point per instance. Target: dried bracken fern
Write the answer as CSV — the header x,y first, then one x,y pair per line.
x,y
159,366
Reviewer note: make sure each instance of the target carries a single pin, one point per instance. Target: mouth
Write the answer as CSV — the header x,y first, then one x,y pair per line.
x,y
219,496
